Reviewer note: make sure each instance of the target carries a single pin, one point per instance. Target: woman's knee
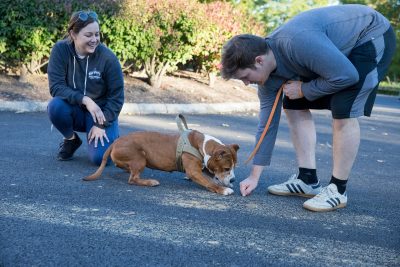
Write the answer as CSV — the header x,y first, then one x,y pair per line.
x,y
96,156
56,107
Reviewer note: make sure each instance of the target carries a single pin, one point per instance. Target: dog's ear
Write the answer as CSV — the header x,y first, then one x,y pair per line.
x,y
235,147
220,154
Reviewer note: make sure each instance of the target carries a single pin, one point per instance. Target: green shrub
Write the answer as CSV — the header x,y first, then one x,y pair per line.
x,y
150,34
172,25
29,29
26,39
223,22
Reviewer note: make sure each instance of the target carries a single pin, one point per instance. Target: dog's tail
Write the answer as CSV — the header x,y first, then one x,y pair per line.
x,y
97,174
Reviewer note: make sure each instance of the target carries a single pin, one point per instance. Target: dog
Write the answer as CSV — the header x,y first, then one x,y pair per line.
x,y
191,152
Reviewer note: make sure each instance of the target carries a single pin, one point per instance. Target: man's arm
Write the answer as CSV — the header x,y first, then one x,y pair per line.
x,y
318,54
267,94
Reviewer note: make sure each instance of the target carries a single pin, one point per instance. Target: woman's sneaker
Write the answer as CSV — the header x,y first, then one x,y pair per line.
x,y
68,148
329,199
295,187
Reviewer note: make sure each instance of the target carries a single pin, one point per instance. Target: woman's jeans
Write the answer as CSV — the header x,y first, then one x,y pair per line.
x,y
68,118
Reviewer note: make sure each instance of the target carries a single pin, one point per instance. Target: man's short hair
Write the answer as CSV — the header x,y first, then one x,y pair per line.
x,y
240,52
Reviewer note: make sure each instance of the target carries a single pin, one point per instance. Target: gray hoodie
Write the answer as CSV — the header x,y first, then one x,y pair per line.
x,y
313,47
98,76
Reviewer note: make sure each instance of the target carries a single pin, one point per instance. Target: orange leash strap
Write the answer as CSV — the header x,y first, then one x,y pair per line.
x,y
271,115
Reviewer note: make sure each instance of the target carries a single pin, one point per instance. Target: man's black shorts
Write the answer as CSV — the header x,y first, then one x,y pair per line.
x,y
372,60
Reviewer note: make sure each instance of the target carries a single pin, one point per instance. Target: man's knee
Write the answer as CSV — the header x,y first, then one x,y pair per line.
x,y
339,124
296,114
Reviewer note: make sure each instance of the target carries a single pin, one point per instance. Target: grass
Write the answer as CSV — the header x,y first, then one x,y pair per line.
x,y
389,88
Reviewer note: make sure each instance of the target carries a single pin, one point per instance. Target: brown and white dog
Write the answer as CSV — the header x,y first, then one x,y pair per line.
x,y
156,150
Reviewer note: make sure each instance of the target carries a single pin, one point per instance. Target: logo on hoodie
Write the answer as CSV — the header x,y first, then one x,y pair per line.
x,y
94,75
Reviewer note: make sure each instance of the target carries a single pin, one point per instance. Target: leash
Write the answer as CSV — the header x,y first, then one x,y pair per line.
x,y
267,125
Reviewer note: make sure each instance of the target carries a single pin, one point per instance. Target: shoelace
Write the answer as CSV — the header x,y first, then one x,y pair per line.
x,y
293,177
63,142
326,192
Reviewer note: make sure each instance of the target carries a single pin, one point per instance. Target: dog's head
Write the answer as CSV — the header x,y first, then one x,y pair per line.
x,y
222,162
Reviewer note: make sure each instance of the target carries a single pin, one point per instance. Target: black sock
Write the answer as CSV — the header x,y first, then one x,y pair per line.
x,y
308,176
341,184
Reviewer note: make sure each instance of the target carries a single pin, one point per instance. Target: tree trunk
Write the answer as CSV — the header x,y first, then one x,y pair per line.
x,y
23,72
155,71
212,76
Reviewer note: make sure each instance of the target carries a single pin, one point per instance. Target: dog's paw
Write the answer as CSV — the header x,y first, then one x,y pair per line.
x,y
153,182
227,191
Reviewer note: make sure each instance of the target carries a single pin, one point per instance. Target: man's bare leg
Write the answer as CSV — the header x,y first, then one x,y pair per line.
x,y
346,140
303,134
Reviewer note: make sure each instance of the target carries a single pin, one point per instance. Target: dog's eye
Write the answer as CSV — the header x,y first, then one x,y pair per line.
x,y
227,169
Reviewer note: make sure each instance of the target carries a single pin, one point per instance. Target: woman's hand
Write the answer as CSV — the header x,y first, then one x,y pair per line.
x,y
292,90
97,134
94,110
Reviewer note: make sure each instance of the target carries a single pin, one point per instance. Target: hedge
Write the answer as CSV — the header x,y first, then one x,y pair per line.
x,y
153,35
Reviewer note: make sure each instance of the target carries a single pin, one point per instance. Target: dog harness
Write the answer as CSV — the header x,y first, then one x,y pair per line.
x,y
184,144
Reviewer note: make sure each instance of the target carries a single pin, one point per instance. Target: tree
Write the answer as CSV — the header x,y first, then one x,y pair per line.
x,y
391,10
223,22
275,13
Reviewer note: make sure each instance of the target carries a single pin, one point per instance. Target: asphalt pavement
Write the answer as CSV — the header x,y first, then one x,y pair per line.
x,y
50,217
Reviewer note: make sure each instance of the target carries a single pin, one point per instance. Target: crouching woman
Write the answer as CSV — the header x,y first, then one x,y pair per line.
x,y
87,86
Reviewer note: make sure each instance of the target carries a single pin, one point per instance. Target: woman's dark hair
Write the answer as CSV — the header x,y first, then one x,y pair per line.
x,y
80,20
240,52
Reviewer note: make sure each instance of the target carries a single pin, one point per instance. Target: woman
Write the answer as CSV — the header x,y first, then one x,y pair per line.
x,y
86,83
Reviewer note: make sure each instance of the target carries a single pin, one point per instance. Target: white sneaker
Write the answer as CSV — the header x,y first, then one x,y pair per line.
x,y
329,199
295,187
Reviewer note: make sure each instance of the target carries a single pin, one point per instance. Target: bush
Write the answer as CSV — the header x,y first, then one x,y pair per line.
x,y
27,37
224,21
26,40
150,34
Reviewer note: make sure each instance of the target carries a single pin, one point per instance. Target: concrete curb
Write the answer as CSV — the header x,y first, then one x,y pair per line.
x,y
157,108
145,108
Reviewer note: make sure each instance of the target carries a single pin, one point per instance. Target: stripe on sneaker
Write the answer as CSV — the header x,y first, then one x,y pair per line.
x,y
299,187
330,203
338,200
290,189
315,186
333,200
294,188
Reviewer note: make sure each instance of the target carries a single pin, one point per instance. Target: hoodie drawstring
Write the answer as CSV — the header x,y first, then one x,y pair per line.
x,y
87,63
73,75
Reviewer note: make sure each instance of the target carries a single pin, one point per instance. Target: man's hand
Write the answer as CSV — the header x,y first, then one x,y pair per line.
x,y
292,89
248,185
97,134
94,109
251,182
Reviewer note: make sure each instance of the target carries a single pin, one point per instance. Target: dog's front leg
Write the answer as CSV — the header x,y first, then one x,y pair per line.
x,y
197,176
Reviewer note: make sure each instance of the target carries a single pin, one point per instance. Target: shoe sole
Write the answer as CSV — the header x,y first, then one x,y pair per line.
x,y
279,193
62,159
342,205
